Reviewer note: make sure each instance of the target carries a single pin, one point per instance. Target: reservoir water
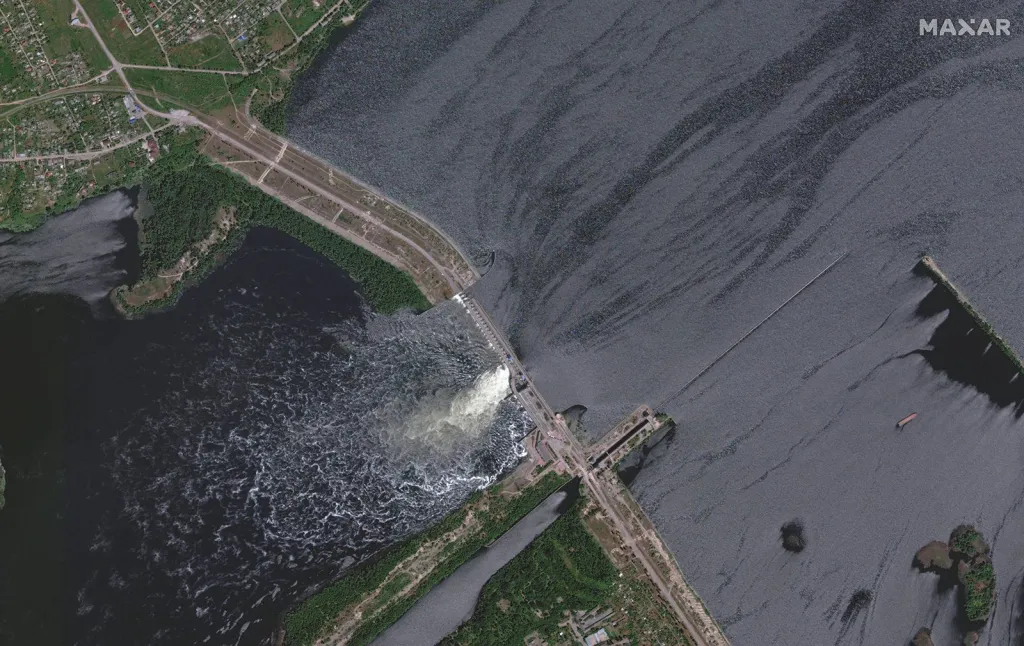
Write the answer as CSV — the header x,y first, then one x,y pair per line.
x,y
184,478
655,178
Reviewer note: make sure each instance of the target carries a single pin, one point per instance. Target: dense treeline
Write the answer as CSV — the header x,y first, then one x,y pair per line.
x,y
311,619
186,193
563,569
185,203
271,114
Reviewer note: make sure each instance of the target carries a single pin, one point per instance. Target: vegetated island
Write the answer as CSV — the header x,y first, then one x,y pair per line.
x,y
966,562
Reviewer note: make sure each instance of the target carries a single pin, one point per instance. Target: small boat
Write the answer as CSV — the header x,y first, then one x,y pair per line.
x,y
906,420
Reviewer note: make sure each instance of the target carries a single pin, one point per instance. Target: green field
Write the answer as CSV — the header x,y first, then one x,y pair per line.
x,y
213,52
200,90
63,39
301,14
8,68
273,33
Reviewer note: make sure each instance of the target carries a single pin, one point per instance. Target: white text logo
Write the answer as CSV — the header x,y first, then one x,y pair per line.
x,y
962,27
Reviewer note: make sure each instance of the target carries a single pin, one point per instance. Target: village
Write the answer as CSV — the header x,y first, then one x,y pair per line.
x,y
34,59
219,34
69,148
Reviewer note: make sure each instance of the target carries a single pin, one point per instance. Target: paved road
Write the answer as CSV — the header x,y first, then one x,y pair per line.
x,y
166,68
96,34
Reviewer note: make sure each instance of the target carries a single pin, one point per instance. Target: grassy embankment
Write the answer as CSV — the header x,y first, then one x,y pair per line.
x,y
187,194
493,515
932,269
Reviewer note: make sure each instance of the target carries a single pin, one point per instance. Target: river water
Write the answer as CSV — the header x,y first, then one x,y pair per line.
x,y
656,178
184,478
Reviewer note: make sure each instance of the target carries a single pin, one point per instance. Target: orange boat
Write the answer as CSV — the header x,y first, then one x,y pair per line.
x,y
906,420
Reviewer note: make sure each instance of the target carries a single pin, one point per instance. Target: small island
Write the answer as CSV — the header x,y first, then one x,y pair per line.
x,y
793,536
967,560
922,638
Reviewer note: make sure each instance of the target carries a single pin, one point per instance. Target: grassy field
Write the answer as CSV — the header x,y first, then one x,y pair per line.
x,y
8,70
274,33
202,90
301,14
125,46
213,52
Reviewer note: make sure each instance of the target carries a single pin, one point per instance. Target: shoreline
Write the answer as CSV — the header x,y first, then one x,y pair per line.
x,y
198,214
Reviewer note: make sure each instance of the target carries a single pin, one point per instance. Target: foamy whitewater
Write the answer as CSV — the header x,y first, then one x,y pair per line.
x,y
268,439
